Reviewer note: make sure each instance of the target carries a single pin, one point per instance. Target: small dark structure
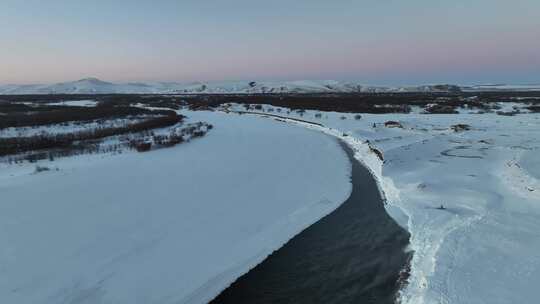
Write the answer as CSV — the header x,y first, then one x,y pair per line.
x,y
377,152
142,146
461,127
393,124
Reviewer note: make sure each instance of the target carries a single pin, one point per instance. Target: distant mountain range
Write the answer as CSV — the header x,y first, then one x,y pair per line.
x,y
96,86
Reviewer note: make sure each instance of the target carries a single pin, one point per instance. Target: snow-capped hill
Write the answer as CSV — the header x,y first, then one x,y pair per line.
x,y
83,86
92,81
502,87
97,86
139,84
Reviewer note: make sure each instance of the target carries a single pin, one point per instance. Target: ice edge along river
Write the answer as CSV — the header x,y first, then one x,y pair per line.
x,y
355,254
484,246
365,155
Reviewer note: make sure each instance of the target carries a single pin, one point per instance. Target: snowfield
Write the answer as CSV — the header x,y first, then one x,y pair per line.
x,y
483,248
174,225
193,218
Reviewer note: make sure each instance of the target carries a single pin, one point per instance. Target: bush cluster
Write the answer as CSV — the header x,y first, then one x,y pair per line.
x,y
15,145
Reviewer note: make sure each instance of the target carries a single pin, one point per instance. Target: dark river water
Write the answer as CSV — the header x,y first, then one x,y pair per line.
x,y
353,255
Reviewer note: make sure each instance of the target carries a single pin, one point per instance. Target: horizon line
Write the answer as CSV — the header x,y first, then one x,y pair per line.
x,y
271,80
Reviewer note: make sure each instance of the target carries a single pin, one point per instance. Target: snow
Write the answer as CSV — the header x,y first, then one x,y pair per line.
x,y
530,163
75,103
484,247
503,87
174,225
223,216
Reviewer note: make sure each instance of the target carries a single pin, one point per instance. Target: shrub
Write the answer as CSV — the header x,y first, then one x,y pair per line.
x,y
460,127
393,124
14,145
534,109
41,169
142,146
441,109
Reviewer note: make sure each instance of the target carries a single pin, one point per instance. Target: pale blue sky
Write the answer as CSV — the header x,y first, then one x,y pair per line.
x,y
373,41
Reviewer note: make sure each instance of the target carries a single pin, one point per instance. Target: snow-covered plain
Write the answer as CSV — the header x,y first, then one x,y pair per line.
x,y
484,247
174,225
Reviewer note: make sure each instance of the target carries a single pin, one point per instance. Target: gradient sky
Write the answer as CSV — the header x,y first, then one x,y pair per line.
x,y
372,41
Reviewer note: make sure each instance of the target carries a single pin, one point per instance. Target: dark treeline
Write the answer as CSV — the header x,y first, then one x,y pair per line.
x,y
377,103
142,141
158,101
535,109
339,102
45,98
143,98
359,103
111,99
45,115
15,145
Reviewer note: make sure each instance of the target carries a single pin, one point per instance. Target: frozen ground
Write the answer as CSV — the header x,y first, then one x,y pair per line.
x,y
483,248
174,225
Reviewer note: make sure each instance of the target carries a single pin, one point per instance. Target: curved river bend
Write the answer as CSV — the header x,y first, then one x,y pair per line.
x,y
353,255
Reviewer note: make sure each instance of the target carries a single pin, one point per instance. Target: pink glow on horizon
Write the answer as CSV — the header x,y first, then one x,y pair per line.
x,y
440,42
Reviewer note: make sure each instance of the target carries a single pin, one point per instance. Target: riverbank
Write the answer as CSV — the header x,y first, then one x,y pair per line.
x,y
355,254
490,200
